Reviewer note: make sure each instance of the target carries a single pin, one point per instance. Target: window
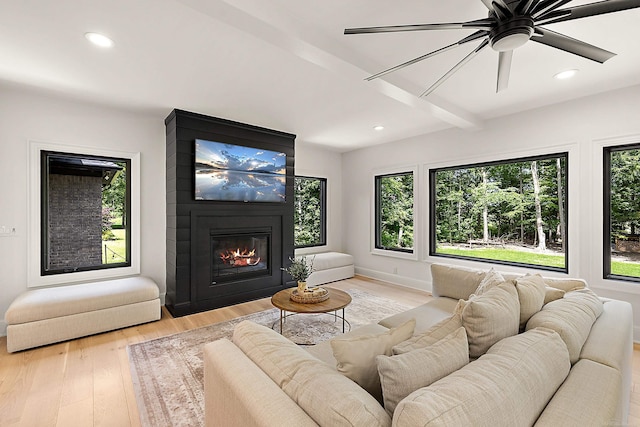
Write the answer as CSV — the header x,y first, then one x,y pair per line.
x,y
84,212
622,212
309,215
508,212
394,209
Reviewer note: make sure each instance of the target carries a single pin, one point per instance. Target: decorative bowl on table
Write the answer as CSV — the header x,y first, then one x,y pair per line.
x,y
310,295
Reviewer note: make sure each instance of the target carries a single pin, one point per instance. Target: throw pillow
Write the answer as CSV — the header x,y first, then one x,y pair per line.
x,y
571,317
356,357
531,292
453,281
403,374
491,279
431,335
552,294
490,317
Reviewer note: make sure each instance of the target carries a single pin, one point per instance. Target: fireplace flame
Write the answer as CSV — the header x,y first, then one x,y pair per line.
x,y
240,258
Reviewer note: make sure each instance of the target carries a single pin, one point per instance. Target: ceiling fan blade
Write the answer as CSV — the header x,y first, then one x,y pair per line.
x,y
459,65
477,24
571,45
489,4
475,36
545,7
504,69
501,9
526,6
598,8
552,16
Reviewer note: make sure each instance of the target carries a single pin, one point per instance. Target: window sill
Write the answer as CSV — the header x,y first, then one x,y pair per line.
x,y
82,276
395,254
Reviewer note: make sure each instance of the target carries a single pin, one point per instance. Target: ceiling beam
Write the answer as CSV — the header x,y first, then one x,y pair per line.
x,y
257,19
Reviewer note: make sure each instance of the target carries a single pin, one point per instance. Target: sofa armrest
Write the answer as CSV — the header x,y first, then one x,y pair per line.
x,y
588,397
238,393
610,343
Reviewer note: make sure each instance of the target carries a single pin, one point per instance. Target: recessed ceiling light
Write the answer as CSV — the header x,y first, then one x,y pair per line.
x,y
567,74
99,39
378,128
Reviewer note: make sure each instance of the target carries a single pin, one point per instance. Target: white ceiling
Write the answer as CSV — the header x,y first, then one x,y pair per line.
x,y
286,64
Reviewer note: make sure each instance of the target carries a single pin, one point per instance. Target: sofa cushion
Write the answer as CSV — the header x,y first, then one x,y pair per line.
x,y
531,292
571,317
552,294
356,356
426,315
490,317
431,335
328,260
48,303
588,397
566,284
491,279
403,374
508,386
453,281
324,352
327,396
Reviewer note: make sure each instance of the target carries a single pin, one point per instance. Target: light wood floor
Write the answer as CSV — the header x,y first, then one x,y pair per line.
x,y
87,382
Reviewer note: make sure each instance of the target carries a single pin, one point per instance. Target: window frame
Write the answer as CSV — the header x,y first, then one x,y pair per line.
x,y
528,158
323,211
376,248
35,278
45,155
606,211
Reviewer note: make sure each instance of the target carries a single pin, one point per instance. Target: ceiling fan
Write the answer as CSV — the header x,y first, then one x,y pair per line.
x,y
509,25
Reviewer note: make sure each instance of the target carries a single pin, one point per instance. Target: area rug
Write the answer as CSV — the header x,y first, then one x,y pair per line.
x,y
168,373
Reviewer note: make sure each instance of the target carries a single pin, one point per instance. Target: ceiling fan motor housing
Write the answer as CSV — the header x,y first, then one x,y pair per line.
x,y
511,34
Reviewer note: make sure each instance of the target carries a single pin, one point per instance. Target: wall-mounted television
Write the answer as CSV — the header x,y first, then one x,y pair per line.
x,y
228,172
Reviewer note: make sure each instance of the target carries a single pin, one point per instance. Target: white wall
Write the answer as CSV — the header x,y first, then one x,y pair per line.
x,y
320,163
578,126
28,116
581,127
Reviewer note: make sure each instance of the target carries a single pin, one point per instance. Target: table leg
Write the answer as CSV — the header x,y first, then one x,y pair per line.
x,y
343,320
281,319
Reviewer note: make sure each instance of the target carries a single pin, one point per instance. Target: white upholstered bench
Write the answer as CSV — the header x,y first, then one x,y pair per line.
x,y
48,315
329,267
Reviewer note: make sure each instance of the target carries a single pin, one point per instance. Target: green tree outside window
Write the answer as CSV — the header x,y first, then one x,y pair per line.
x,y
622,212
394,212
511,212
309,215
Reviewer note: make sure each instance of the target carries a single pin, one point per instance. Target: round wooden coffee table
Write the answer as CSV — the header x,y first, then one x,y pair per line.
x,y
337,300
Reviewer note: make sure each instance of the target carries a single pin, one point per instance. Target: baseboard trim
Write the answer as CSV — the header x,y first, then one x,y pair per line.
x,y
3,328
395,279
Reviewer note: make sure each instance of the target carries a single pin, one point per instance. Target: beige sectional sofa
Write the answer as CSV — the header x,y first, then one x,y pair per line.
x,y
490,350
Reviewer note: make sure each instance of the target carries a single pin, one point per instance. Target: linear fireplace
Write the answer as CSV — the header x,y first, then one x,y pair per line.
x,y
223,252
239,255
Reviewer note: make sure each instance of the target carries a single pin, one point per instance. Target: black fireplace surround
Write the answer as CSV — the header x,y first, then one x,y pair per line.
x,y
221,253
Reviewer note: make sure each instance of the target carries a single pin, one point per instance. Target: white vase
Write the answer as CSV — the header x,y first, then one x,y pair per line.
x,y
302,286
